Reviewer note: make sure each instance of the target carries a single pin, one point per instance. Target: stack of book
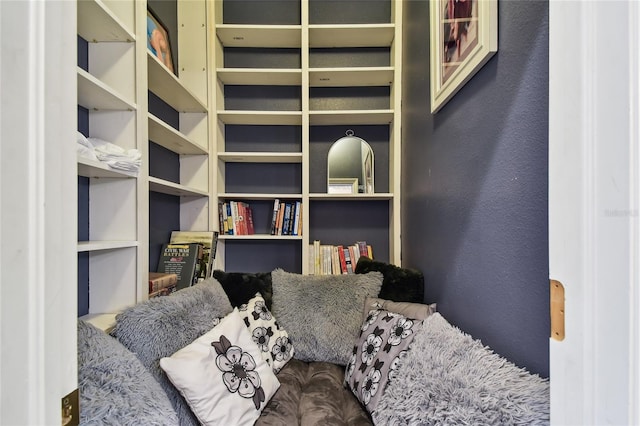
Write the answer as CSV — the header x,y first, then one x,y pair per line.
x,y
286,218
236,218
162,284
326,259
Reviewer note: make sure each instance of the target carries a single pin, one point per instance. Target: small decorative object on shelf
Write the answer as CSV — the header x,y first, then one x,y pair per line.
x,y
350,166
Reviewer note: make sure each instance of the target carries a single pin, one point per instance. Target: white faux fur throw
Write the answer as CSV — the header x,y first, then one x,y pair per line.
x,y
448,378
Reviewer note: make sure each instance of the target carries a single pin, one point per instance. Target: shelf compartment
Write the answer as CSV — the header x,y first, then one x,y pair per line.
x,y
346,35
260,157
167,87
234,35
171,188
96,23
93,94
85,246
349,77
352,117
96,169
286,118
260,77
168,137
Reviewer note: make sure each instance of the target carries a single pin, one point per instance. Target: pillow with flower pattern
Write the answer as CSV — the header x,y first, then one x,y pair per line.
x,y
222,375
377,355
273,340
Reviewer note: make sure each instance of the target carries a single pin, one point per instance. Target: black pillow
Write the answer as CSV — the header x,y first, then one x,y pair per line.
x,y
240,287
398,284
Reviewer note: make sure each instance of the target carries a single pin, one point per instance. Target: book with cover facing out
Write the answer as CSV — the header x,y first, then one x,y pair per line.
x,y
184,260
209,241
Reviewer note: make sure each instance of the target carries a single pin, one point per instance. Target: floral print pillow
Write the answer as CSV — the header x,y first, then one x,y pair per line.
x,y
222,375
273,340
377,355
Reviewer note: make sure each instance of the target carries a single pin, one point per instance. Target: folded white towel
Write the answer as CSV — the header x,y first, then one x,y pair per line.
x,y
115,156
84,148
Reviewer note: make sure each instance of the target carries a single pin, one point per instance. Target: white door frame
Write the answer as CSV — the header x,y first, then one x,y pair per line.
x,y
38,210
594,229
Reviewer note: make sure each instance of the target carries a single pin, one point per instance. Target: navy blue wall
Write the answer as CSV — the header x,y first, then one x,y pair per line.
x,y
474,207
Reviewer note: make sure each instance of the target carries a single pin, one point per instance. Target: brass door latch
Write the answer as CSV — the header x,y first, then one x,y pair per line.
x,y
557,310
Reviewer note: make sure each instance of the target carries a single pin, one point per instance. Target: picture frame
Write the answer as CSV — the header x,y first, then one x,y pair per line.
x,y
158,40
464,36
343,186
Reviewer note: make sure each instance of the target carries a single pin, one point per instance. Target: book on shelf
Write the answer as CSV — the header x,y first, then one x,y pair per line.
x,y
163,292
160,280
327,259
274,217
236,218
184,260
209,241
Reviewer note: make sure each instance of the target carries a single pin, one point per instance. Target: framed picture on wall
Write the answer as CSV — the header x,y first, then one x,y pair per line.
x,y
464,36
158,41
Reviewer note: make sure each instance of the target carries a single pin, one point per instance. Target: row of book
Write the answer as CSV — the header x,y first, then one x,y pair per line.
x,y
186,259
286,218
236,218
326,259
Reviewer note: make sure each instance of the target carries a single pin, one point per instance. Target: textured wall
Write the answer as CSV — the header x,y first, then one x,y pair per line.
x,y
474,208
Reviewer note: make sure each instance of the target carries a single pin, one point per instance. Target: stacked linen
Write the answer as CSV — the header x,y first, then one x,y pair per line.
x,y
114,156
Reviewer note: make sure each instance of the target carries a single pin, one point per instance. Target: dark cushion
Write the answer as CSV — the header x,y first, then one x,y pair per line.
x,y
313,394
241,287
398,284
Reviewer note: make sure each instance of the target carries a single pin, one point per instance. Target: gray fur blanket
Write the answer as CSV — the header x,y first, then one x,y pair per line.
x,y
448,378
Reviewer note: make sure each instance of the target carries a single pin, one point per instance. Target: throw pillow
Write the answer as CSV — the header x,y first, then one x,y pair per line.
x,y
399,284
162,325
222,375
114,386
240,287
322,313
376,357
275,347
410,310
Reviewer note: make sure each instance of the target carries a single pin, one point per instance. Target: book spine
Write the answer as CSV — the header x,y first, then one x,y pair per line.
x,y
229,218
249,220
362,247
279,220
286,219
296,220
274,216
220,217
343,264
316,252
347,260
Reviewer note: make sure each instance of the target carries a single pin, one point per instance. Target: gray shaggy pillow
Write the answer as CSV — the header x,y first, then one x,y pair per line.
x,y
322,314
161,326
114,386
447,377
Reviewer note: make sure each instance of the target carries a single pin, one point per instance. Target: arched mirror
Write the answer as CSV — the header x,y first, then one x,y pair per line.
x,y
350,166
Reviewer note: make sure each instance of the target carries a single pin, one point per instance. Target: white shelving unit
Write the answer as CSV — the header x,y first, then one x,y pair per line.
x,y
306,37
113,89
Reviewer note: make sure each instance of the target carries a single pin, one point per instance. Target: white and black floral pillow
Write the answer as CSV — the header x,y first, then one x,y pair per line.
x,y
222,375
273,340
377,355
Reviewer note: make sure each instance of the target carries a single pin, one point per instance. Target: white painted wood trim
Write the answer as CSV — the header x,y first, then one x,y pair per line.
x,y
37,210
593,210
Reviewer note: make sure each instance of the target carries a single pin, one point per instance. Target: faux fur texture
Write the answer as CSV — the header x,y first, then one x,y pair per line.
x,y
322,314
161,326
399,284
114,386
241,287
448,378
